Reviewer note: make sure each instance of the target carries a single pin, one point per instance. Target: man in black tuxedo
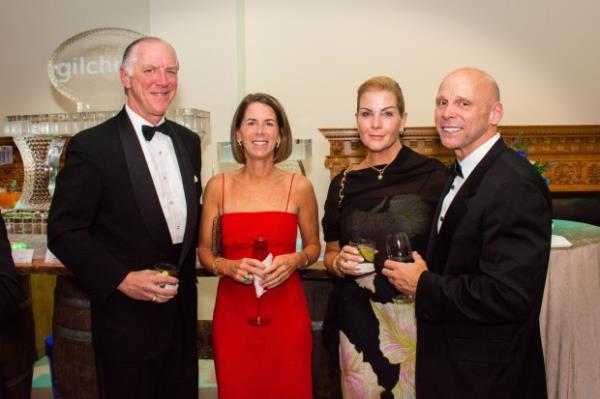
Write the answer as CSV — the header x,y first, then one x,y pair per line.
x,y
478,297
127,199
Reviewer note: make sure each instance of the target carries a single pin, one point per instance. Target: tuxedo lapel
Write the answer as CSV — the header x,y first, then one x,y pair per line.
x,y
187,180
438,252
433,233
439,243
142,184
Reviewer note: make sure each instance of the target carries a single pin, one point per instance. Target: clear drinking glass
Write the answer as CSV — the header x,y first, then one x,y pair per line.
x,y
366,249
168,269
399,249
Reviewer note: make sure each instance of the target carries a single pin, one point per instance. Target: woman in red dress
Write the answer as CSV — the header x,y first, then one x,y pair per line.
x,y
260,200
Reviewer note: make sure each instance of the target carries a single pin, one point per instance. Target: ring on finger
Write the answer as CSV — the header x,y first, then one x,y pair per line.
x,y
246,279
154,298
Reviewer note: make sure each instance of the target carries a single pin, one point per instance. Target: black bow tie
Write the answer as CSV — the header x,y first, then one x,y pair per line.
x,y
455,169
148,131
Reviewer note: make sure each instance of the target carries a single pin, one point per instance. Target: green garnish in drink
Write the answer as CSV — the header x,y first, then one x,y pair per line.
x,y
368,253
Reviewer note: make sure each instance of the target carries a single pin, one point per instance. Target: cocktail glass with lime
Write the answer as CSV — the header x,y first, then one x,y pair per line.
x,y
366,249
167,269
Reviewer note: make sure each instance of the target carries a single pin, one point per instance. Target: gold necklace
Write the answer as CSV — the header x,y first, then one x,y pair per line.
x,y
380,171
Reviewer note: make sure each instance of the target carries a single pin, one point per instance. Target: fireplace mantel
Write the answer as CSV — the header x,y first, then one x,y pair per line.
x,y
573,150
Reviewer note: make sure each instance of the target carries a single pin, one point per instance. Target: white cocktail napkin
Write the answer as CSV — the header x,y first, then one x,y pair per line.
x,y
258,280
560,242
366,267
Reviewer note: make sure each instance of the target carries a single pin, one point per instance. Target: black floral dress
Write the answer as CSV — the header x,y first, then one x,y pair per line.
x,y
374,333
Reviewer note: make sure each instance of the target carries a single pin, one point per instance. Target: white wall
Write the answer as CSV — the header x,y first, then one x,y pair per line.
x,y
31,30
314,54
204,33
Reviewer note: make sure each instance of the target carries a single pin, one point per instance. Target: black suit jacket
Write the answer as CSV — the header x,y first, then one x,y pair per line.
x,y
17,335
10,288
105,220
478,305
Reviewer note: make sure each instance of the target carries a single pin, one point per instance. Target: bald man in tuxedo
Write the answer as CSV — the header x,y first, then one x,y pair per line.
x,y
478,295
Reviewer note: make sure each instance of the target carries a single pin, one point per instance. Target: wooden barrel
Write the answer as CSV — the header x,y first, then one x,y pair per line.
x,y
74,360
318,285
17,349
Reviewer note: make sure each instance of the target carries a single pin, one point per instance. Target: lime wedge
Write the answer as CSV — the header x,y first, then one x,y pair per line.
x,y
367,253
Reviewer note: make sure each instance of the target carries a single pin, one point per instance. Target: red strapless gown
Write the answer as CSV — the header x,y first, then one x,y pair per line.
x,y
273,361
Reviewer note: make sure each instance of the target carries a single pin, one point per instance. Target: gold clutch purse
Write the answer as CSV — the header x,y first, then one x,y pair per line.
x,y
217,249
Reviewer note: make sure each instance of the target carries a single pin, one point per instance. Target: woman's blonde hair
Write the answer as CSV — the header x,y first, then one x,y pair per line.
x,y
382,83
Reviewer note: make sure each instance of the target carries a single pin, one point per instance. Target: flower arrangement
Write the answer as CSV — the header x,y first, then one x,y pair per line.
x,y
541,166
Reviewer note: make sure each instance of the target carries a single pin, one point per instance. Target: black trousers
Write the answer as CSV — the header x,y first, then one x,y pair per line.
x,y
173,374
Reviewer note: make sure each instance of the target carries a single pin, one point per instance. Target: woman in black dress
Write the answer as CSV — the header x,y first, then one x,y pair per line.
x,y
393,189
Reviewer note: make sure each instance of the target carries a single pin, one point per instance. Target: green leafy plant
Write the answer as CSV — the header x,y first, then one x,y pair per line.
x,y
541,166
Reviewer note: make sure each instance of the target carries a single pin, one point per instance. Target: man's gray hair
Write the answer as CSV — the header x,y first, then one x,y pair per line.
x,y
130,54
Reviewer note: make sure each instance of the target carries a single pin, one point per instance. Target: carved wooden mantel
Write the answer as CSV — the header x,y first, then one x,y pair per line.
x,y
574,151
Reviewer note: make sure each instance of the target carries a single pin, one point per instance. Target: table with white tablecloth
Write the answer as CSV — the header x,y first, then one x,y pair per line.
x,y
570,315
